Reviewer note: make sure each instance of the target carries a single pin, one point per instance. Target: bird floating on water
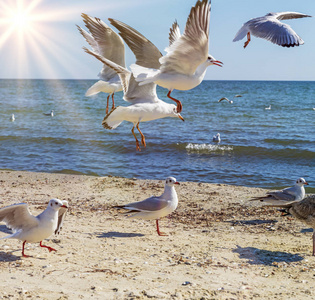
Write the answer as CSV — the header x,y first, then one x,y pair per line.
x,y
224,98
270,28
51,114
31,229
155,207
268,108
216,138
12,118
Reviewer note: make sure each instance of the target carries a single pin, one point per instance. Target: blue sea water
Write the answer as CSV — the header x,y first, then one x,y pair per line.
x,y
261,148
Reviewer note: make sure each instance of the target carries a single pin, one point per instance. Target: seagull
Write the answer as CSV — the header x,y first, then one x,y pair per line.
x,y
224,98
184,66
12,118
216,138
155,207
313,108
268,108
238,96
303,210
109,44
294,193
51,114
270,28
145,104
31,229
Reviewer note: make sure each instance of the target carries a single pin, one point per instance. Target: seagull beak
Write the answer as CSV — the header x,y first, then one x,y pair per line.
x,y
179,115
64,206
305,183
217,63
176,182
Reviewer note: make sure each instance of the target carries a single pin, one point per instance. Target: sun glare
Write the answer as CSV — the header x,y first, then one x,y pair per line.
x,y
21,21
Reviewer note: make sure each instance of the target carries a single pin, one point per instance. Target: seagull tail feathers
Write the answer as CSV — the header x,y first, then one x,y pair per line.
x,y
99,86
240,34
113,118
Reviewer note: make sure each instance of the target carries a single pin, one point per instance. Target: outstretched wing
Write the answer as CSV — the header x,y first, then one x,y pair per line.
x,y
17,216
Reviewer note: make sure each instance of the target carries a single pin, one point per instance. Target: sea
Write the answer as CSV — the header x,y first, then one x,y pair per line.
x,y
268,148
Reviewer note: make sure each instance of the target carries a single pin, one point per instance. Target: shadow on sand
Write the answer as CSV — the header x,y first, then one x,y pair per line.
x,y
112,234
4,256
251,222
257,256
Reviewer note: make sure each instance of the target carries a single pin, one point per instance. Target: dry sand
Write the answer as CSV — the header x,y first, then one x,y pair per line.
x,y
219,245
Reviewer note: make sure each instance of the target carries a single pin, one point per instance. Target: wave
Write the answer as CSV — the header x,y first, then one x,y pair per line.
x,y
207,148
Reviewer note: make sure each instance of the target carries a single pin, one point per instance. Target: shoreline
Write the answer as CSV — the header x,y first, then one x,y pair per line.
x,y
219,245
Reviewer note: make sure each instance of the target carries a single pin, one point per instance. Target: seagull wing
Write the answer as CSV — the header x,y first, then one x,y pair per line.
x,y
191,49
174,33
271,29
288,15
109,44
150,204
146,53
61,216
132,91
17,216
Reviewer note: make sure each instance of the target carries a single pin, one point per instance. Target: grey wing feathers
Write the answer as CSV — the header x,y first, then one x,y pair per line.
x,y
17,216
287,15
146,53
276,32
61,216
174,33
151,204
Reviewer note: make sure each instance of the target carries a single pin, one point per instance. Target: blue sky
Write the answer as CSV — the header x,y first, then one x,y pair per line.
x,y
50,46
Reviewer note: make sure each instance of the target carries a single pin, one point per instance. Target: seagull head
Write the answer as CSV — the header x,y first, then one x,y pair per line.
x,y
56,204
301,181
212,61
170,181
174,112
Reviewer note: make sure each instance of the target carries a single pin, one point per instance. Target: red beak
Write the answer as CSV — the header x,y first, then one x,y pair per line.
x,y
64,206
218,63
176,182
305,183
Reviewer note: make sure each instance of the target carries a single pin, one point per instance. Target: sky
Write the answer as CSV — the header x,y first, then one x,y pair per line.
x,y
39,39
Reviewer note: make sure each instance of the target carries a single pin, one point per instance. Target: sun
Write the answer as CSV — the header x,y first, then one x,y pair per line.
x,y
22,21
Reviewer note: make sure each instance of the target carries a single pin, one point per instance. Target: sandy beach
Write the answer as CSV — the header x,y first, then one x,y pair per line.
x,y
219,245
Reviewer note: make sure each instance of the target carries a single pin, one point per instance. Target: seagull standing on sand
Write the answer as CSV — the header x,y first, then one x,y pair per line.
x,y
155,207
31,229
216,138
224,98
145,104
303,210
107,43
270,28
184,66
294,193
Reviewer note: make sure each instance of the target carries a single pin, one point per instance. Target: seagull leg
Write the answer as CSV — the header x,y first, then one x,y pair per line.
x,y
179,104
24,255
137,142
142,136
49,248
107,104
314,243
248,40
113,106
158,229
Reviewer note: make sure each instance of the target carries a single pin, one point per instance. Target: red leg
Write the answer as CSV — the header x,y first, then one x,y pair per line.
x,y
179,104
49,248
314,243
142,136
248,40
158,229
113,106
23,250
137,142
107,104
